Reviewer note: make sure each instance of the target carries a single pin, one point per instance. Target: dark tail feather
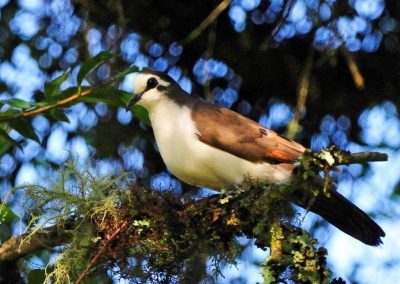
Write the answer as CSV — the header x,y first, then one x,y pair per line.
x,y
347,217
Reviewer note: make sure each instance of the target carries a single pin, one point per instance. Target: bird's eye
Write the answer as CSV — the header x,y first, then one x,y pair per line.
x,y
152,83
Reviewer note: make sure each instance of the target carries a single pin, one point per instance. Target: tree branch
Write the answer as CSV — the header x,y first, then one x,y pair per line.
x,y
334,156
280,21
358,78
206,22
302,93
19,246
45,108
168,233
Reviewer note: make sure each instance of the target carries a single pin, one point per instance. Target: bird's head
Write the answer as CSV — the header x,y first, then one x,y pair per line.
x,y
149,88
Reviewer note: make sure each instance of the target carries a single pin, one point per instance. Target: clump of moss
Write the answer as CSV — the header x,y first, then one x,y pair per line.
x,y
73,202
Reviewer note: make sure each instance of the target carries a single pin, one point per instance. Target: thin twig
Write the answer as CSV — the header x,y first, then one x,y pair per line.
x,y
63,102
58,104
280,21
97,256
353,67
358,79
209,54
302,93
48,107
284,15
206,22
362,157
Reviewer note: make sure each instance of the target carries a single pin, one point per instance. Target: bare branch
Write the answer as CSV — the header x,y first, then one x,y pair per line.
x,y
280,21
302,93
353,67
207,21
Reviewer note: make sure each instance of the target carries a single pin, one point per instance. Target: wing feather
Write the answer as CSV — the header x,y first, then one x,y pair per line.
x,y
231,132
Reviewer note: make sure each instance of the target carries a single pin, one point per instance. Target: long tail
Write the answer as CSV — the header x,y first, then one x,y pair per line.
x,y
347,217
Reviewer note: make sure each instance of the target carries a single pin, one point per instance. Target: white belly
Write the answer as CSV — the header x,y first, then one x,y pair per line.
x,y
197,163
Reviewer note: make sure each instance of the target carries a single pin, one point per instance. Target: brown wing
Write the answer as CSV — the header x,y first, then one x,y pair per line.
x,y
229,131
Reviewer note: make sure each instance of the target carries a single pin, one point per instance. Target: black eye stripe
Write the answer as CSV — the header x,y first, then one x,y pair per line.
x,y
161,88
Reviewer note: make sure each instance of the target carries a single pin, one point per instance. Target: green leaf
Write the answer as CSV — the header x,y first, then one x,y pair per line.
x,y
92,63
7,139
4,146
24,127
10,112
125,97
142,114
36,276
52,88
122,74
39,104
107,95
6,214
117,98
58,115
17,103
138,111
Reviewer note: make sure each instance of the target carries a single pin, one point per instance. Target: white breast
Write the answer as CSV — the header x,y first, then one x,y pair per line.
x,y
197,163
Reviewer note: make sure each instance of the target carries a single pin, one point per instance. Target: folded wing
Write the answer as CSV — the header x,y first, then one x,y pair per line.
x,y
231,132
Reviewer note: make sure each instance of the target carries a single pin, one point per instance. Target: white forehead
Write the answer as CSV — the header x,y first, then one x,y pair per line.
x,y
140,81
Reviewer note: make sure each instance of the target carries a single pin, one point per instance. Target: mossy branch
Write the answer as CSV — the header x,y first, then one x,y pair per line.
x,y
20,246
361,158
170,234
334,156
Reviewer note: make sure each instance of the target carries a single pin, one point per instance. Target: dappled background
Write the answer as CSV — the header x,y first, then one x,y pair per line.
x,y
322,72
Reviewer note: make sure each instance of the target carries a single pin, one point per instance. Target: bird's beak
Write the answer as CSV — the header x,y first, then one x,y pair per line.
x,y
133,101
